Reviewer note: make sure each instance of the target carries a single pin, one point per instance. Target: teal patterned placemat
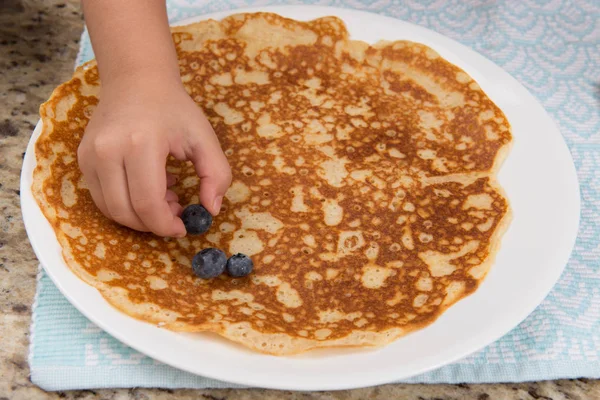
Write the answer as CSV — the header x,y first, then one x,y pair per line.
x,y
551,47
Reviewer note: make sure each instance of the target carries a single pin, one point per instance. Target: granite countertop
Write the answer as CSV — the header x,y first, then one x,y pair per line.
x,y
38,45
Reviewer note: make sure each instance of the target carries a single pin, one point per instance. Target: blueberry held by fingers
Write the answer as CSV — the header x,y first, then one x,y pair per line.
x,y
239,265
209,263
197,219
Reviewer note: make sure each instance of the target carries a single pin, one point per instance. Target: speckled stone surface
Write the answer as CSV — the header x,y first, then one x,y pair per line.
x,y
38,45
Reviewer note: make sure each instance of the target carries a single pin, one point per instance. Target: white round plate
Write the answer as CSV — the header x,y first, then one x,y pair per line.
x,y
538,176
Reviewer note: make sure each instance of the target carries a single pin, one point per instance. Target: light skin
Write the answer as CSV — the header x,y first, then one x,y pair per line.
x,y
144,115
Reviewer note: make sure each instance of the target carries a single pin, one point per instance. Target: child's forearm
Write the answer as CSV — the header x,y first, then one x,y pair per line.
x,y
132,41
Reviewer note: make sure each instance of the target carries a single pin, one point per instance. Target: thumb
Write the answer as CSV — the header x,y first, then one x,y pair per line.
x,y
213,170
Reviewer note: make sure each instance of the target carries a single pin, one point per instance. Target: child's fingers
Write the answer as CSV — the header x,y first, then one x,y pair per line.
x,y
176,208
171,179
148,189
116,196
213,169
171,197
93,184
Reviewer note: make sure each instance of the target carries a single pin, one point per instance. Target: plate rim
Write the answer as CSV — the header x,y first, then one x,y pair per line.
x,y
26,197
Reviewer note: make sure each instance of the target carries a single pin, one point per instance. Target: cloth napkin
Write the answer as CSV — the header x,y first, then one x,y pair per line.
x,y
551,47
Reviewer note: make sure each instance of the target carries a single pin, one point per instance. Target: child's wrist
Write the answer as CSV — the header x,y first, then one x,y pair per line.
x,y
146,77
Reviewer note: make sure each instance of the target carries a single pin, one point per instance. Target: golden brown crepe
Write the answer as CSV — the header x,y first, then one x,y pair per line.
x,y
364,188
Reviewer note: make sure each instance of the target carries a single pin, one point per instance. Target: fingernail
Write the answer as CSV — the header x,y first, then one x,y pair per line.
x,y
217,204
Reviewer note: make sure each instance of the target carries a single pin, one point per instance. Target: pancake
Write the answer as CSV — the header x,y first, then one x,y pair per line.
x,y
364,188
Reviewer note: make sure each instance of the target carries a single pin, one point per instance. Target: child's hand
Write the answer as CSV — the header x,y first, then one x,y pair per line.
x,y
144,115
136,125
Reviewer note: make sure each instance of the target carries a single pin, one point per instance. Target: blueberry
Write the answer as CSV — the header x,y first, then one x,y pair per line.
x,y
196,219
209,263
239,265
